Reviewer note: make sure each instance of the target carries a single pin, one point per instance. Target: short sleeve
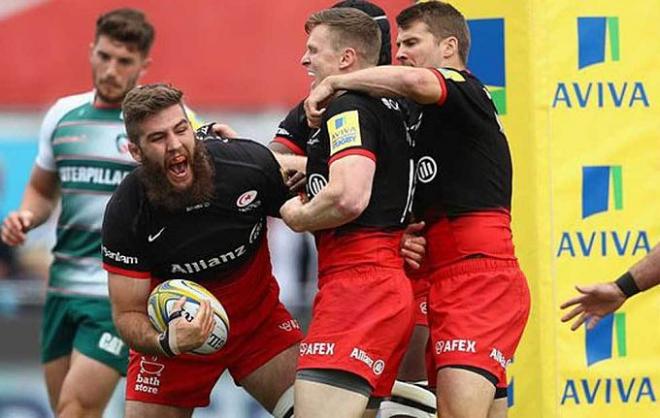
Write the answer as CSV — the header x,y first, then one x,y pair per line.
x,y
352,128
293,132
451,81
122,250
45,156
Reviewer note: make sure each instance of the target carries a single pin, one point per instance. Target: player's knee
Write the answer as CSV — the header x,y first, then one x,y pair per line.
x,y
409,400
284,406
76,408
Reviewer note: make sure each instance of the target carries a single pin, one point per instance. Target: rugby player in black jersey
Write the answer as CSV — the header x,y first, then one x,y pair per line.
x,y
293,131
359,186
479,299
196,210
291,137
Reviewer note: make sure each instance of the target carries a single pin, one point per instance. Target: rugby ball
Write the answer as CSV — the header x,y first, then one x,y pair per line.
x,y
164,297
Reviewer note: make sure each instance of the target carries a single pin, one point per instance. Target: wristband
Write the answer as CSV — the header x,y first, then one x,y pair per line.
x,y
167,346
627,284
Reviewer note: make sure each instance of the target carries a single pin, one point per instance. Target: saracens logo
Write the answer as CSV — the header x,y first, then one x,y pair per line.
x,y
427,168
246,198
316,183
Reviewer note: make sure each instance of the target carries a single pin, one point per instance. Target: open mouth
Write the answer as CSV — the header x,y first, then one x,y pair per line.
x,y
178,167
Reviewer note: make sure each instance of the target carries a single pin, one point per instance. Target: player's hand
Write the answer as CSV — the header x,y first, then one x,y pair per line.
x,y
316,101
187,333
413,245
224,130
290,212
295,180
15,226
595,302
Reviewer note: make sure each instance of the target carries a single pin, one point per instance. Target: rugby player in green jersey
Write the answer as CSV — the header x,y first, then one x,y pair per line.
x,y
83,156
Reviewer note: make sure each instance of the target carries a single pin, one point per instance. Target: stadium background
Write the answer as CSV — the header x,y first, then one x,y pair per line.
x,y
575,82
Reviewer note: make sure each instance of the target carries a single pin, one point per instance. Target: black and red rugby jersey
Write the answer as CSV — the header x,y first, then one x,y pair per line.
x,y
462,155
357,124
293,132
210,240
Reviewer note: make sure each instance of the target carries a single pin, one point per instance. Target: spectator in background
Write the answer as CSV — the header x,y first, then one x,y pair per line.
x,y
79,164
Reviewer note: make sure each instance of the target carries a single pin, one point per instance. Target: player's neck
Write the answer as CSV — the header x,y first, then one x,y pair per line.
x,y
453,62
99,103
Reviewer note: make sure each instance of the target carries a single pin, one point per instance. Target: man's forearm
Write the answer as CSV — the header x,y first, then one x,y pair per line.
x,y
646,271
417,84
328,209
136,331
41,195
40,206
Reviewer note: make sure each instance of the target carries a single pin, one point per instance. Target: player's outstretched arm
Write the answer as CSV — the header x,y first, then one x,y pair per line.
x,y
345,197
39,200
646,272
417,84
595,302
599,300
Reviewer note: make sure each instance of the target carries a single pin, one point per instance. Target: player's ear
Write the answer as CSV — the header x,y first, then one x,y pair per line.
x,y
449,47
91,51
135,151
146,62
348,58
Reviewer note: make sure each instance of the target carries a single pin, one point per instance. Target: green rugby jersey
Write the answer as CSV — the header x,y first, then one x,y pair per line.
x,y
87,146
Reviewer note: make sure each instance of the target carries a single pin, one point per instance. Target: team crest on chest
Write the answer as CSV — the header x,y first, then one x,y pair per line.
x,y
248,201
122,143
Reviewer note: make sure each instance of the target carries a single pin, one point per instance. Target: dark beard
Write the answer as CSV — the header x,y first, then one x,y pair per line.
x,y
161,193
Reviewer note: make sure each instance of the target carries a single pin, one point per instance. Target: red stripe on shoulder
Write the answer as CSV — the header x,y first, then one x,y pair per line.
x,y
353,151
443,85
290,145
129,273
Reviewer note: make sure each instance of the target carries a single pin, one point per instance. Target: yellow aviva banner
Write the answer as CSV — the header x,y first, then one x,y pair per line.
x,y
576,85
603,129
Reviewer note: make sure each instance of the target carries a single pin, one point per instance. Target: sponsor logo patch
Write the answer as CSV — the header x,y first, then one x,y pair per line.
x,y
317,349
111,343
497,355
426,169
376,366
147,380
315,183
289,325
466,346
117,256
154,237
344,131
